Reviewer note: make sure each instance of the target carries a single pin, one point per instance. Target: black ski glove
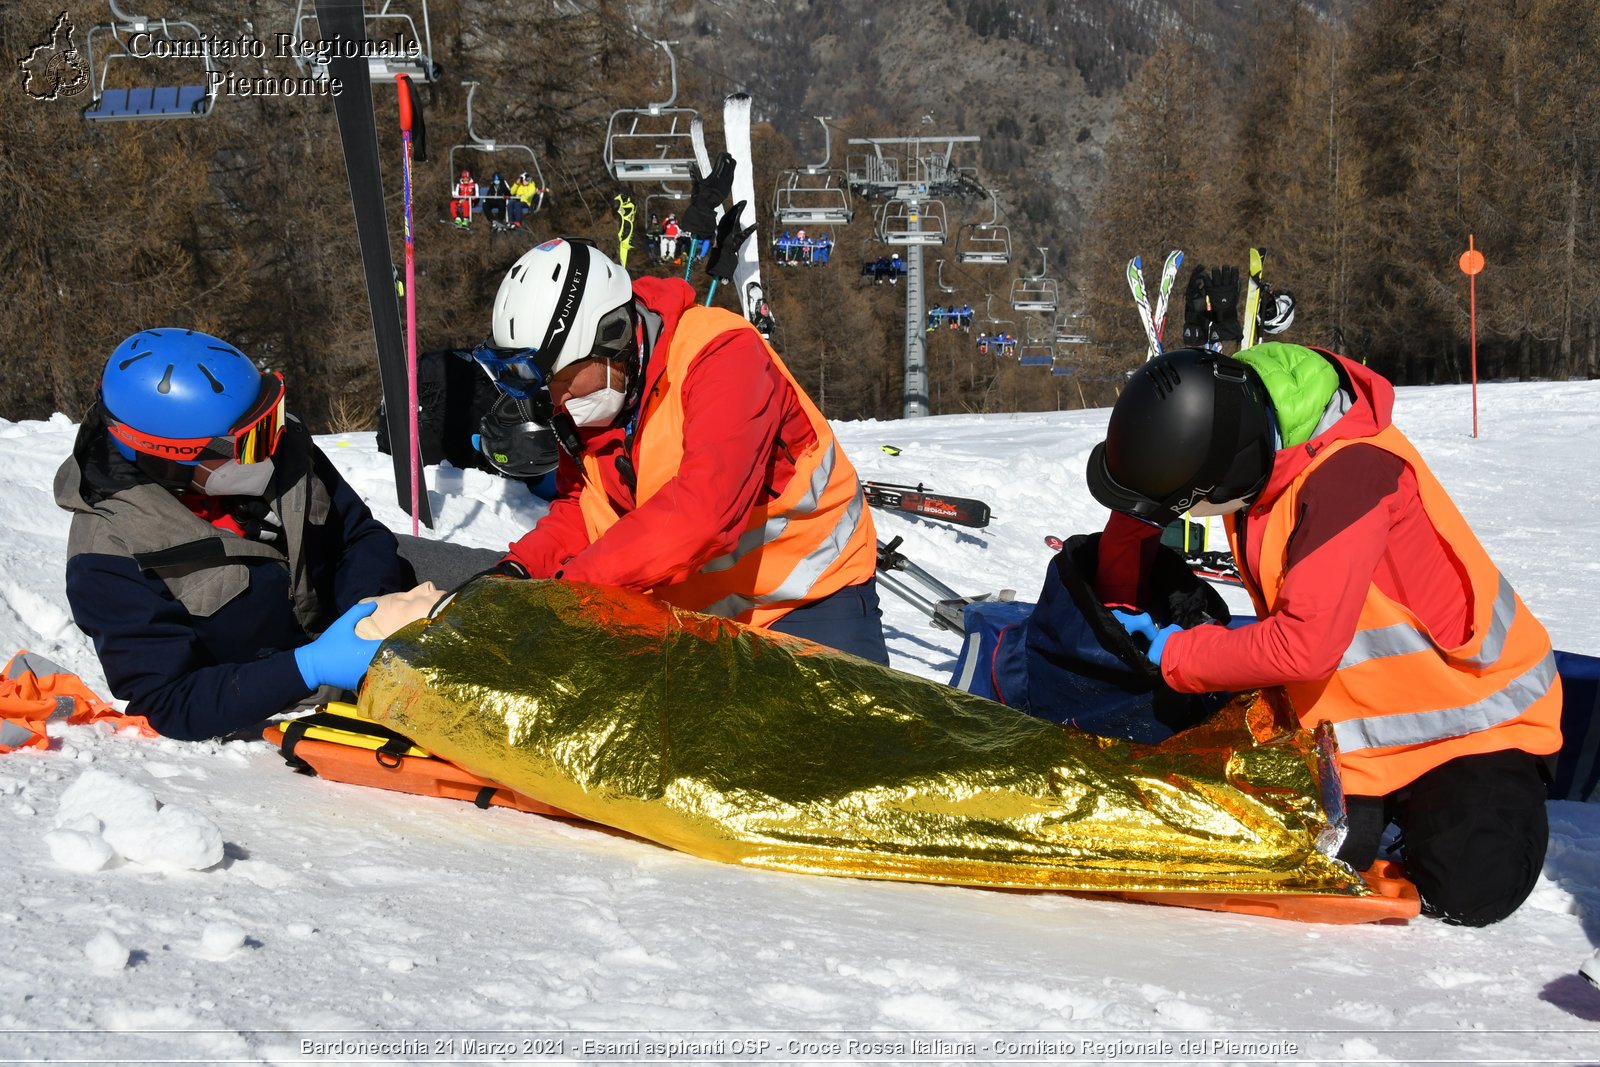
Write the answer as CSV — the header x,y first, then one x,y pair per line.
x,y
724,255
1222,285
1197,318
700,218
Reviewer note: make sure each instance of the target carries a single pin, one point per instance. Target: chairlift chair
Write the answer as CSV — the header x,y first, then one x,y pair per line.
x,y
664,194
384,24
1072,328
147,101
985,243
1037,348
814,195
654,143
478,143
655,216
912,222
1036,292
993,327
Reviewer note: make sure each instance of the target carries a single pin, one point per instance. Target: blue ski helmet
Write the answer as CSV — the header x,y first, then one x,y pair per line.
x,y
175,383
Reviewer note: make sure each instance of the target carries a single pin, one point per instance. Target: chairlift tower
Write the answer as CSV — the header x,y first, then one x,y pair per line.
x,y
911,175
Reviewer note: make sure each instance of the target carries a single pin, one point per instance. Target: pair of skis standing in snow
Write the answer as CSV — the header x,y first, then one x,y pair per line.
x,y
1211,314
1211,318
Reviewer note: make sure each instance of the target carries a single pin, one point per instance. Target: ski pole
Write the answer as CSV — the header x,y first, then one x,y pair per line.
x,y
404,86
943,616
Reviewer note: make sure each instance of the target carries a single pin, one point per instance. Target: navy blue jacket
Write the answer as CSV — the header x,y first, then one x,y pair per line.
x,y
231,666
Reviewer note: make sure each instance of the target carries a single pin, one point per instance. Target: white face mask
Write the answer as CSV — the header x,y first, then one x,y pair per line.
x,y
235,479
599,408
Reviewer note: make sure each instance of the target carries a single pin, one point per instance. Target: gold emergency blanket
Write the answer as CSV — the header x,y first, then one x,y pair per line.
x,y
739,745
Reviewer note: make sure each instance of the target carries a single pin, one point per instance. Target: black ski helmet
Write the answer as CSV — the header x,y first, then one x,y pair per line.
x,y
1190,425
515,442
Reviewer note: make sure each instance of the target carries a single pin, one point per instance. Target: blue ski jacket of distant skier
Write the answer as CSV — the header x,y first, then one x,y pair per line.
x,y
196,626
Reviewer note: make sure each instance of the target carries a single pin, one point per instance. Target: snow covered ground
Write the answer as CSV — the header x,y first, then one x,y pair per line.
x,y
199,902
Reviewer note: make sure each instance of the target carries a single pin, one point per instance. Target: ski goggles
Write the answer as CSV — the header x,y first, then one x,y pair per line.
x,y
516,373
253,438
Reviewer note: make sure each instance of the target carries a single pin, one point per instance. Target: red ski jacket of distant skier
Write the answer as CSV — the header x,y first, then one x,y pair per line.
x,y
742,503
1379,609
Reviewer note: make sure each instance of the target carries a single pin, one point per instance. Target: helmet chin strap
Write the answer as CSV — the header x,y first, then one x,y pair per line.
x,y
566,432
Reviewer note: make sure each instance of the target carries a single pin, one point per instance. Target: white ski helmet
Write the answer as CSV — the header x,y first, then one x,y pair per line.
x,y
564,301
1277,311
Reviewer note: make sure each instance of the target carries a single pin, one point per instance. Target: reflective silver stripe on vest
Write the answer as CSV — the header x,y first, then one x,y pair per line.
x,y
748,542
806,572
24,662
1402,639
14,736
772,529
1421,727
1504,610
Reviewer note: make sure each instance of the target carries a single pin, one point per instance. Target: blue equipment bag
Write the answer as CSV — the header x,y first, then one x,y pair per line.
x,y
1067,660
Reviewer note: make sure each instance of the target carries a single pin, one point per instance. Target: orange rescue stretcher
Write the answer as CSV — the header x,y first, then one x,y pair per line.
x,y
337,744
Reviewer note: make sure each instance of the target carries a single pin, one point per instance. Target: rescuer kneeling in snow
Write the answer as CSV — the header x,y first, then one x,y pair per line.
x,y
1378,609
216,557
693,466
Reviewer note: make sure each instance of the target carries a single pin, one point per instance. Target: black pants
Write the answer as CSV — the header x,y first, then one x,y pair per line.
x,y
850,620
1473,833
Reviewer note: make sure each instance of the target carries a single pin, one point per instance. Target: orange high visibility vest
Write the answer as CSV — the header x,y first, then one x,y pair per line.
x,y
34,691
811,541
1400,703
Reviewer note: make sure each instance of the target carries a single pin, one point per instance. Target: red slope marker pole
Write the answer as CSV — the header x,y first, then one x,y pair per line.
x,y
1471,264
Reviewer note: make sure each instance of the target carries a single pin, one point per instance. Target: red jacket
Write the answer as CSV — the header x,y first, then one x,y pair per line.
x,y
1362,525
742,425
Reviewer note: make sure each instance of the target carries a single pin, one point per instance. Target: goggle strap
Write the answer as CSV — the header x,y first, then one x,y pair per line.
x,y
255,437
182,449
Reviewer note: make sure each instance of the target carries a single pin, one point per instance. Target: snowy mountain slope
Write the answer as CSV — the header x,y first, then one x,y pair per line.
x,y
343,914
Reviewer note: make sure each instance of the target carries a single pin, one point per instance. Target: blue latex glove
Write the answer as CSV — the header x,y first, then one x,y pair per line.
x,y
338,657
1158,644
1137,625
1140,624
